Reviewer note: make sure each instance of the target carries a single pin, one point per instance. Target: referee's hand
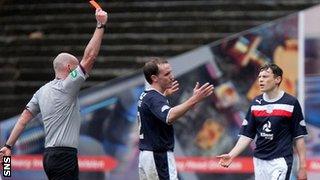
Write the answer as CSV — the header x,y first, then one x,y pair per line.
x,y
101,16
4,152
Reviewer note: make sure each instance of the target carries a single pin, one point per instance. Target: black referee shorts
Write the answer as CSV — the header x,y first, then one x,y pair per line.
x,y
61,163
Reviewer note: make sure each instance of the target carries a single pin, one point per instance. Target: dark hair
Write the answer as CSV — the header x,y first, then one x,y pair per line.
x,y
151,68
276,70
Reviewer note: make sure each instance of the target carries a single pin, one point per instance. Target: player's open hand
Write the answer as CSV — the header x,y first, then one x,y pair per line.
x,y
203,91
174,88
225,160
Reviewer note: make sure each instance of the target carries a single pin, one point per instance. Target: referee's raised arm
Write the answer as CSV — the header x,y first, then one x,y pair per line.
x,y
58,103
94,44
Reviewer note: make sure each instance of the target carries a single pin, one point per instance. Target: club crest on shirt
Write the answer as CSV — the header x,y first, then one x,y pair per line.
x,y
269,109
74,73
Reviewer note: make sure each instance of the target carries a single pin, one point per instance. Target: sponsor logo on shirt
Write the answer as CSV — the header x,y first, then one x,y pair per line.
x,y
74,73
266,128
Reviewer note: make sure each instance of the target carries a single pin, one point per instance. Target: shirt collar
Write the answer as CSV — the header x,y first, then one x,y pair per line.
x,y
265,97
151,88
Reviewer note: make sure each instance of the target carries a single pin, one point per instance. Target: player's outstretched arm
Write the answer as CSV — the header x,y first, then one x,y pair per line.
x,y
226,159
301,149
199,93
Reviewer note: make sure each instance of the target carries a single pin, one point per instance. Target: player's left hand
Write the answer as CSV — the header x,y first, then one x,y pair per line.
x,y
199,93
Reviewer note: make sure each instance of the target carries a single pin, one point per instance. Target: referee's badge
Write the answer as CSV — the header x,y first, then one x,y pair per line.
x,y
74,73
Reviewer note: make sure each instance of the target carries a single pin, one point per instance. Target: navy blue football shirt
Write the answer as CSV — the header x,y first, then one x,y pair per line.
x,y
276,123
155,133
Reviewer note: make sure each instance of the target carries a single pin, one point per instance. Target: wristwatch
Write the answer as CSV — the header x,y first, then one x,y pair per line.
x,y
100,25
8,146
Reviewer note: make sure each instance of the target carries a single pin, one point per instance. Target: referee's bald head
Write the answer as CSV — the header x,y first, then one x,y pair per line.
x,y
62,60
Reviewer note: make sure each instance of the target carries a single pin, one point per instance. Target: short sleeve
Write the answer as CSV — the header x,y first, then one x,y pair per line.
x,y
33,105
75,79
160,108
248,127
298,122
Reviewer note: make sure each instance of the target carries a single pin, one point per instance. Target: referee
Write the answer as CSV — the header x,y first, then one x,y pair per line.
x,y
156,116
57,101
